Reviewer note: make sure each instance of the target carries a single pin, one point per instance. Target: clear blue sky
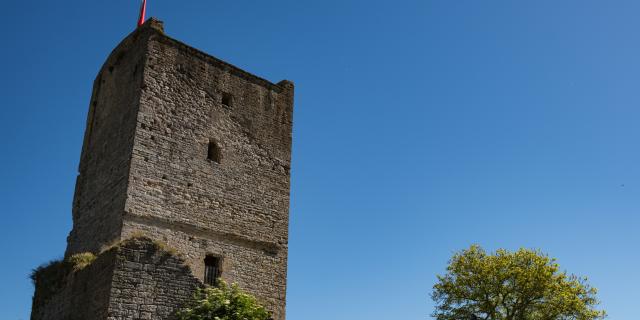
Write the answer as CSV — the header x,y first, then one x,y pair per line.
x,y
421,127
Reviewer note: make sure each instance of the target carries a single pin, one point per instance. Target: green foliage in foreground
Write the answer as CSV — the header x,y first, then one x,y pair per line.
x,y
522,285
223,303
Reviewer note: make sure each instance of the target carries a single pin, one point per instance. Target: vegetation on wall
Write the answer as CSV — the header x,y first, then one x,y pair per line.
x,y
49,278
521,285
223,302
139,235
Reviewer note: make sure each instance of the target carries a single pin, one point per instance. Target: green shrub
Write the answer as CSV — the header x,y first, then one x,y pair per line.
x,y
223,303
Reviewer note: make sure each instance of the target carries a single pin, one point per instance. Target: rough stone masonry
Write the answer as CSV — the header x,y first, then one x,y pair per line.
x,y
187,150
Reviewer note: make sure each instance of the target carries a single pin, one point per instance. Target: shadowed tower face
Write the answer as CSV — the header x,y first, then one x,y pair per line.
x,y
194,152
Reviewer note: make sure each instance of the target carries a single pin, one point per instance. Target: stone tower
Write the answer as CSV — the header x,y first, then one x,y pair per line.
x,y
186,150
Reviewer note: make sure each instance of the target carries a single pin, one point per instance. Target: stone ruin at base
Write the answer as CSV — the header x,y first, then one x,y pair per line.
x,y
183,178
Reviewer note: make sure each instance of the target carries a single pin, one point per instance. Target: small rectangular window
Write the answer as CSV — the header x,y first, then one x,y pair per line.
x,y
227,99
211,270
213,152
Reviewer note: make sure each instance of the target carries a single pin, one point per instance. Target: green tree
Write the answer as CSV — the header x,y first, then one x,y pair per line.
x,y
521,285
223,303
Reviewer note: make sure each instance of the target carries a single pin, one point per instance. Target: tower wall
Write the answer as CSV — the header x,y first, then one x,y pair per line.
x,y
157,108
236,209
101,185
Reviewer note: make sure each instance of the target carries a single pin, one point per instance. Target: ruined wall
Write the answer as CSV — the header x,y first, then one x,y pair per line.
x,y
77,295
148,282
136,279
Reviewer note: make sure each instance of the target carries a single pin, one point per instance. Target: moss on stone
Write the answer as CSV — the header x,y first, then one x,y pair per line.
x,y
139,235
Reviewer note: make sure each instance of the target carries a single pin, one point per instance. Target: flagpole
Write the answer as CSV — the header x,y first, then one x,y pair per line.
x,y
143,13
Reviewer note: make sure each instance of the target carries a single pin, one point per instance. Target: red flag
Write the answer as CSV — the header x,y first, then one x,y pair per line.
x,y
143,13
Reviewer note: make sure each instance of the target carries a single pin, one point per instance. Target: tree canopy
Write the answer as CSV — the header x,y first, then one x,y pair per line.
x,y
521,285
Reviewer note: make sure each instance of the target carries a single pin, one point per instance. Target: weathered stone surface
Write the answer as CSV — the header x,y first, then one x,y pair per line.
x,y
79,295
191,151
134,280
148,283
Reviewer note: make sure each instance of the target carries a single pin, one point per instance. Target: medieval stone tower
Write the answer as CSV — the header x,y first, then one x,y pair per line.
x,y
182,151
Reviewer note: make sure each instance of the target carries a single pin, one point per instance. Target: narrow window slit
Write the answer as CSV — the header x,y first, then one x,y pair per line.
x,y
214,153
227,99
211,270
